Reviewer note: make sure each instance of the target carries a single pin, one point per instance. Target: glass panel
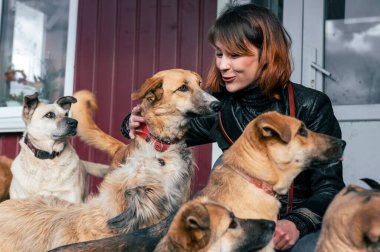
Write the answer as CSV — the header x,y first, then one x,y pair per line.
x,y
33,43
276,6
352,52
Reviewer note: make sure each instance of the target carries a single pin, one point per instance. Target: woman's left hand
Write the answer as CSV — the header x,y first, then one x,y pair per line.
x,y
285,235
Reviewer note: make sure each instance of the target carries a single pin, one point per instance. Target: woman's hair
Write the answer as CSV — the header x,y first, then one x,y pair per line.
x,y
240,25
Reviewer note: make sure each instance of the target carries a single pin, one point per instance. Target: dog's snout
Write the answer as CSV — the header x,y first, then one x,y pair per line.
x,y
342,144
72,122
269,225
216,105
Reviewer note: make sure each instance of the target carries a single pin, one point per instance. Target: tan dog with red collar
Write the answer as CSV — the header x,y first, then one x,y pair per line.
x,y
47,163
170,98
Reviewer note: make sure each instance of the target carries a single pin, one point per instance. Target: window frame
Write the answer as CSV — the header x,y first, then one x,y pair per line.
x,y
10,117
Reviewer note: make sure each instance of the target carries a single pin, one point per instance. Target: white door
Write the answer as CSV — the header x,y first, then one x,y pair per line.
x,y
336,49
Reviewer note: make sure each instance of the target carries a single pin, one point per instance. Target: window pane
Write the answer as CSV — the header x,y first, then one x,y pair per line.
x,y
33,43
352,52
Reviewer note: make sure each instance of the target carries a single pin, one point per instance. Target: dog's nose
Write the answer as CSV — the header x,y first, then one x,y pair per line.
x,y
268,224
342,144
72,122
216,105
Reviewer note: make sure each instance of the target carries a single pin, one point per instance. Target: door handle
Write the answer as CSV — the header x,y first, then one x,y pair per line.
x,y
322,70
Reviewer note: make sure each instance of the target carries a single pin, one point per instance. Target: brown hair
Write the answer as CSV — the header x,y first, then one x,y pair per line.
x,y
239,25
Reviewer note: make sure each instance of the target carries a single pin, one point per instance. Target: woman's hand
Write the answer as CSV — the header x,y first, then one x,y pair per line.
x,y
135,120
286,235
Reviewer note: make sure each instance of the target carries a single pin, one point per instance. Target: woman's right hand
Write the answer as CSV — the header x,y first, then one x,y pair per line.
x,y
135,120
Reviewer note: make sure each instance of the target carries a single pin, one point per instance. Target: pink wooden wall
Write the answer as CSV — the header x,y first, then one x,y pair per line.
x,y
120,43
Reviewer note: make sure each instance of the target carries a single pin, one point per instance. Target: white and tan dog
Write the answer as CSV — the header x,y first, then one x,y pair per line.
x,y
47,163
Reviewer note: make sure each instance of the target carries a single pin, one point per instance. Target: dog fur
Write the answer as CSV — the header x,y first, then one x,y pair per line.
x,y
273,148
49,129
5,177
203,225
352,221
169,99
42,223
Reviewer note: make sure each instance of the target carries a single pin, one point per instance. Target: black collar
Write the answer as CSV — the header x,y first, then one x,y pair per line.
x,y
40,153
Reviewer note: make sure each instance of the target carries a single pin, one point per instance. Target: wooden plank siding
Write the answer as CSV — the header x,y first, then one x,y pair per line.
x,y
120,43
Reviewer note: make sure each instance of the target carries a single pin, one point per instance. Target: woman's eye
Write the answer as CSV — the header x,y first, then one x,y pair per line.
x,y
235,55
183,88
50,115
218,54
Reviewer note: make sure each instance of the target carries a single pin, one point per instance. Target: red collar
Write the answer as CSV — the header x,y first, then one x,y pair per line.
x,y
158,144
255,181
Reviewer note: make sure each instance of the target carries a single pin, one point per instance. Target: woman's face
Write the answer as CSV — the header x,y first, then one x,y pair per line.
x,y
238,71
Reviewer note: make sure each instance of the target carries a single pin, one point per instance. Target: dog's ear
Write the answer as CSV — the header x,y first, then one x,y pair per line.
x,y
30,104
198,77
151,89
66,101
192,226
371,183
271,125
154,95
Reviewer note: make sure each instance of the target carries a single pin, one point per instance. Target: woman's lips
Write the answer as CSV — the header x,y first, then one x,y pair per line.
x,y
229,79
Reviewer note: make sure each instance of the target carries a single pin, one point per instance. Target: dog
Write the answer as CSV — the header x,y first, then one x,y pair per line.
x,y
47,163
169,99
41,223
352,221
263,162
5,177
203,225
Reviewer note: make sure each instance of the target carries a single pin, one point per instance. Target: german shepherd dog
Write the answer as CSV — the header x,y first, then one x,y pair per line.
x,y
47,163
203,225
169,100
270,153
352,221
42,223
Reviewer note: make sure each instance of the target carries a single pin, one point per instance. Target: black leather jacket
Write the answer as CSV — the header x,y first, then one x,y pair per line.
x,y
313,189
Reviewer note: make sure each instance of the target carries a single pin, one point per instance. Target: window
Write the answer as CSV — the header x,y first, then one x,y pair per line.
x,y
37,45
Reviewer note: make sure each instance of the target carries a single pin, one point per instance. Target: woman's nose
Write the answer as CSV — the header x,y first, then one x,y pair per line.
x,y
224,63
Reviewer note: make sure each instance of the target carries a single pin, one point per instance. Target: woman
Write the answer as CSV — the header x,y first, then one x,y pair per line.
x,y
250,75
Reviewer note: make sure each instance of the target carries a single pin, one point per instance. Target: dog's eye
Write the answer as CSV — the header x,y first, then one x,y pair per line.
x,y
233,224
183,88
302,131
50,115
67,114
161,161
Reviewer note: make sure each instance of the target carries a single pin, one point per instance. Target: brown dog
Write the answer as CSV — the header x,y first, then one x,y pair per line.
x,y
352,221
42,223
270,153
169,99
203,225
5,177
